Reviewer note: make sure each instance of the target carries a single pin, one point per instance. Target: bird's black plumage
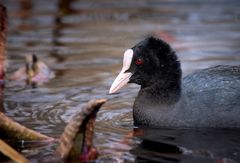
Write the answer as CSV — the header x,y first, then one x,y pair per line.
x,y
206,98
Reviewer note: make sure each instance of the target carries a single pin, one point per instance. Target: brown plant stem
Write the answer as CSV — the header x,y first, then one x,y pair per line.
x,y
3,35
78,134
11,153
13,130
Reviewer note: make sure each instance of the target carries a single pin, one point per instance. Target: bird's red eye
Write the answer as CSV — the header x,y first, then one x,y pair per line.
x,y
139,61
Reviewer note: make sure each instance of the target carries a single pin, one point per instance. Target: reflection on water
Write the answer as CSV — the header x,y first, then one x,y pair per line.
x,y
202,145
83,42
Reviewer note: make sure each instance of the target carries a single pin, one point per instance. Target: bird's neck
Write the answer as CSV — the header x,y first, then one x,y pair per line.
x,y
156,104
161,93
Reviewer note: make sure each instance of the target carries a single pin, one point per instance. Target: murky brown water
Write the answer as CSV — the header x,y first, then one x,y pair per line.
x,y
84,45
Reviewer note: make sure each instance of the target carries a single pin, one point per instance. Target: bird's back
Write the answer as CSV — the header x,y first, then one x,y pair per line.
x,y
211,97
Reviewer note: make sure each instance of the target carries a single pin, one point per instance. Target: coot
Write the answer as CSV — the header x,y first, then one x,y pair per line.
x,y
205,98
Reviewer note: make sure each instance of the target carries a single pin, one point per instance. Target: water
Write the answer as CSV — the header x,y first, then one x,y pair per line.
x,y
84,45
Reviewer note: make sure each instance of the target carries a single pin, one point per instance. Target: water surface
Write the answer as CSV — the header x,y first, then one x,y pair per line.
x,y
84,44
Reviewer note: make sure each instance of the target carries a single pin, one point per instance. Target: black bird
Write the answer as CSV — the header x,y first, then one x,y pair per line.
x,y
205,98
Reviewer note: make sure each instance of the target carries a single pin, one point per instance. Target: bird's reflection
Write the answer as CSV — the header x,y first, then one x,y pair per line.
x,y
187,145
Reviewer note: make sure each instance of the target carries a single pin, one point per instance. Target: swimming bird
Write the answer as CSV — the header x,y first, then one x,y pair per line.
x,y
34,71
206,98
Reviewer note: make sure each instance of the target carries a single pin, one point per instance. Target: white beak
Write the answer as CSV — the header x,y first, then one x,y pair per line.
x,y
123,77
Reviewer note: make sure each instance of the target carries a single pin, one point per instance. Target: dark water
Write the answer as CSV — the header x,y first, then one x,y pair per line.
x,y
84,42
